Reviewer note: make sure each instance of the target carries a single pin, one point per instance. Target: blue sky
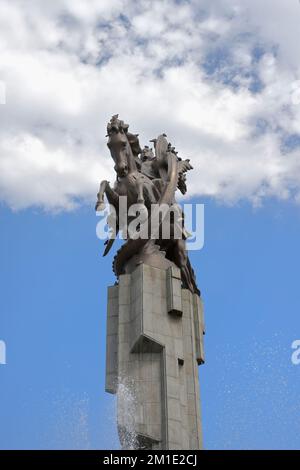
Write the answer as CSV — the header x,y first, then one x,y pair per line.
x,y
222,79
53,321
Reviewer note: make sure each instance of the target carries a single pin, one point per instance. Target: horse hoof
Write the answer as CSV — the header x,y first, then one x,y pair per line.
x,y
100,206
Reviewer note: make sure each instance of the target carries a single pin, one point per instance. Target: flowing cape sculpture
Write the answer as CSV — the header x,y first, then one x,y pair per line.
x,y
147,179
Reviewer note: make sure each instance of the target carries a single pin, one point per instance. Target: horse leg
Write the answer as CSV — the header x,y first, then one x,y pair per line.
x,y
111,194
100,204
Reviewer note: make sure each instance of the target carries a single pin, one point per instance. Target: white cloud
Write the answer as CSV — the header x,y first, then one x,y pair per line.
x,y
222,80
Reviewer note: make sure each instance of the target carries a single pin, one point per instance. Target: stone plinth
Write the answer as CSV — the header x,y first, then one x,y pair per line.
x,y
154,346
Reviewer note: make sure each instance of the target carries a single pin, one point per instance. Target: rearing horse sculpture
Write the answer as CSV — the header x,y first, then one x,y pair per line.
x,y
140,188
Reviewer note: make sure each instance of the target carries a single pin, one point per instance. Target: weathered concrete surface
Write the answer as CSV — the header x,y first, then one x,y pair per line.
x,y
154,345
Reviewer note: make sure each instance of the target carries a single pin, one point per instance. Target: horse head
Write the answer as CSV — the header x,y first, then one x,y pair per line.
x,y
120,146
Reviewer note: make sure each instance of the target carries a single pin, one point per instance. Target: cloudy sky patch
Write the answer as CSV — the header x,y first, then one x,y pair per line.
x,y
221,78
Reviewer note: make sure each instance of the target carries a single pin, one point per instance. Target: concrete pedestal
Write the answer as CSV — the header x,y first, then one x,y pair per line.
x,y
154,346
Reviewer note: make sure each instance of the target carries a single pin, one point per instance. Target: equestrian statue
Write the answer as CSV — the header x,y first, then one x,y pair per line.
x,y
147,179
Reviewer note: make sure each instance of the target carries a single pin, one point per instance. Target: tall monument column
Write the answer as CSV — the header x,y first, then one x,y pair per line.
x,y
154,346
155,320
